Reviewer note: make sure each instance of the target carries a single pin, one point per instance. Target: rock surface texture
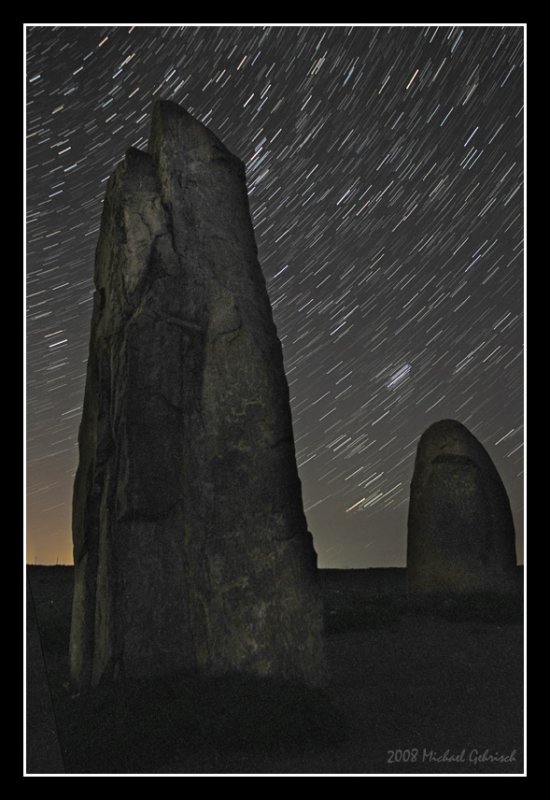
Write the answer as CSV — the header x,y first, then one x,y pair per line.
x,y
190,542
460,530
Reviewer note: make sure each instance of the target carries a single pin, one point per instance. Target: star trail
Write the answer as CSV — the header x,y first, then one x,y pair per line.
x,y
385,174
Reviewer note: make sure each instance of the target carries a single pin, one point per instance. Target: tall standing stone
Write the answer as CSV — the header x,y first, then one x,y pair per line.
x,y
460,530
191,547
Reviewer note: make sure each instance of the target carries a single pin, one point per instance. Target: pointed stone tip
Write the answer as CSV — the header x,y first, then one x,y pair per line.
x,y
168,109
175,128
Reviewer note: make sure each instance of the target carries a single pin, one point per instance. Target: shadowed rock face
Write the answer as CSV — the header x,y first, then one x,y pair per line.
x,y
460,530
190,541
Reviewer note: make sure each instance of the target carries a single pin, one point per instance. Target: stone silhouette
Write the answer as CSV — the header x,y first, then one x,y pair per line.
x,y
191,547
460,529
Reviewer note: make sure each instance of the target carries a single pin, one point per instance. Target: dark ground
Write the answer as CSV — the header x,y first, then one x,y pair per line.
x,y
424,680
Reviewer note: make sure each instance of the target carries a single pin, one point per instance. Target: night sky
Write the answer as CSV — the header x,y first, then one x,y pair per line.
x,y
384,167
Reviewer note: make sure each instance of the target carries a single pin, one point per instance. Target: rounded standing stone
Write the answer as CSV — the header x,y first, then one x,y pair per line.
x,y
460,528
